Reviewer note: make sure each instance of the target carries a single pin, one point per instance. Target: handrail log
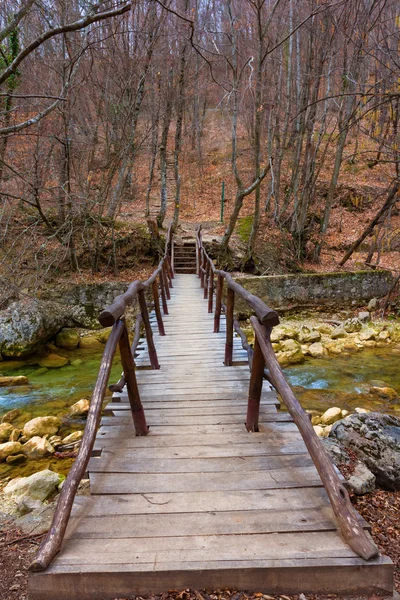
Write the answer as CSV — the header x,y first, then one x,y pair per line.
x,y
350,528
52,542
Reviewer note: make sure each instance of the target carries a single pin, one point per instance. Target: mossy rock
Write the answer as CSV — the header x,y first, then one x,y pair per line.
x,y
53,361
67,338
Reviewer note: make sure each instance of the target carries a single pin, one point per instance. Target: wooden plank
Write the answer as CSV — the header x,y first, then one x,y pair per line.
x,y
195,524
171,408
205,548
123,483
124,418
240,450
116,462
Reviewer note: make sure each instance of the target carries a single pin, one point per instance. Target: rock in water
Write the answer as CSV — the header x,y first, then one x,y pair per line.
x,y
53,361
80,408
317,350
12,381
387,393
375,439
352,325
41,426
37,447
73,437
67,338
11,415
90,342
6,430
38,486
29,323
8,449
362,481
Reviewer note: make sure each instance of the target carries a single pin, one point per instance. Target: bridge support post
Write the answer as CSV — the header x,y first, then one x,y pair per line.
x,y
211,292
255,388
157,309
206,280
163,295
128,365
230,304
149,332
166,280
218,303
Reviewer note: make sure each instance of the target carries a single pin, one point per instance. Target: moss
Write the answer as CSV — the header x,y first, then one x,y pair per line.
x,y
244,226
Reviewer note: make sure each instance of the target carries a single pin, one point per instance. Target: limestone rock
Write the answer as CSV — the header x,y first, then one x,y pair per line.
x,y
319,430
103,335
38,486
16,459
73,437
367,334
333,349
362,480
375,439
290,353
352,325
13,381
336,451
350,347
307,335
55,440
373,304
338,333
370,344
67,338
331,415
317,350
37,447
41,426
364,316
11,415
384,335
282,332
361,411
90,342
53,361
387,393
6,430
325,329
80,408
27,324
9,448
15,435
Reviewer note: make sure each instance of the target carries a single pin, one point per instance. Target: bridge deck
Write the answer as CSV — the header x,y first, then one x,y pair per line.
x,y
201,502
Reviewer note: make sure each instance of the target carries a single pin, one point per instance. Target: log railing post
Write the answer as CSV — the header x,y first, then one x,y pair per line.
x,y
157,309
149,332
172,258
166,280
169,271
202,265
163,294
128,366
211,292
255,388
350,527
218,303
230,303
206,280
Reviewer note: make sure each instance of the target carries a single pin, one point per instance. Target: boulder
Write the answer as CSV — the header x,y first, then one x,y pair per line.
x,y
80,408
37,447
362,480
373,304
338,333
307,335
317,350
319,430
368,334
27,324
11,415
90,342
364,316
282,332
386,393
384,335
352,325
8,449
16,459
67,338
333,348
53,361
38,486
41,426
15,435
325,329
331,415
361,411
76,436
103,335
290,353
12,381
375,440
6,430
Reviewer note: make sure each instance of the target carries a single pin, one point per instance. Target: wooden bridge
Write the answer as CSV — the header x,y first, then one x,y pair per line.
x,y
226,490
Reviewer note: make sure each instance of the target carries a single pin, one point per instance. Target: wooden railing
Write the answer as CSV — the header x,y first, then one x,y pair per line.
x,y
112,315
264,356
